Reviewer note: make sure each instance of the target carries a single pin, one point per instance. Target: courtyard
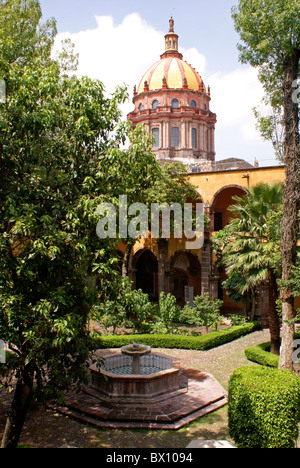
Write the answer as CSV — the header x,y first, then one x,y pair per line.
x,y
47,429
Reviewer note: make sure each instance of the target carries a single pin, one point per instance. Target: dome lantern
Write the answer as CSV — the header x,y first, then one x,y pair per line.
x,y
171,43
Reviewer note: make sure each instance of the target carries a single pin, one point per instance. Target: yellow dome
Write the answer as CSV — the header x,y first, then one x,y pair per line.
x,y
172,73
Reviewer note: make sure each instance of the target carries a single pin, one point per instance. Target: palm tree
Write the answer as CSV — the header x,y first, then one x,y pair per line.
x,y
254,249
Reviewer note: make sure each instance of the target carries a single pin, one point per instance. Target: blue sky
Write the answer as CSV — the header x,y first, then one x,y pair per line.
x,y
118,40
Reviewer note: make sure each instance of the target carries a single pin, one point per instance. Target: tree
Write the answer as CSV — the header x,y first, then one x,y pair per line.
x,y
270,34
53,129
253,247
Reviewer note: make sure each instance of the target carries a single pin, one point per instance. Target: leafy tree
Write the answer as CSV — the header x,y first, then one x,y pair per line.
x,y
123,306
270,34
53,129
253,247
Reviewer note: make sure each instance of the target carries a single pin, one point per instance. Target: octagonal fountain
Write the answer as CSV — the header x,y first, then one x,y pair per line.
x,y
138,388
136,373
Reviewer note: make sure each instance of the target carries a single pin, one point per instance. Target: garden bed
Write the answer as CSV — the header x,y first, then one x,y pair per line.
x,y
200,343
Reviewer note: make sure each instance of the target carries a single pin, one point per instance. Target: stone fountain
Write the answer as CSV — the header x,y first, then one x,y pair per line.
x,y
138,388
137,374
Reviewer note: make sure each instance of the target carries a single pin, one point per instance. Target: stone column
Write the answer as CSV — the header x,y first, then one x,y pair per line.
x,y
162,264
205,267
167,136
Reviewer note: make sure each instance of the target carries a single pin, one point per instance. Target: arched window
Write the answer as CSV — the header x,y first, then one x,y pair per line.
x,y
141,107
175,104
194,138
155,134
155,104
193,103
175,137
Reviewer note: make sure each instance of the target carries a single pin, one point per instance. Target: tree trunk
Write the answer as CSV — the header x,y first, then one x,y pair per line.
x,y
291,197
273,314
253,304
17,413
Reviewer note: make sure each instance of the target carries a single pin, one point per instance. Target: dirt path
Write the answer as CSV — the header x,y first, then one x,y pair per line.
x,y
46,429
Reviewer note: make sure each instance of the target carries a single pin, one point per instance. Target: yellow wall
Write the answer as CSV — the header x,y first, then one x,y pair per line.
x,y
210,183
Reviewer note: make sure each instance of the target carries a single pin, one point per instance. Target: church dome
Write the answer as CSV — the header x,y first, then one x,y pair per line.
x,y
171,71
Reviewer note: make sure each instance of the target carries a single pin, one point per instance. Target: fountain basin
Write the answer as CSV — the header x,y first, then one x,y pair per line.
x,y
115,379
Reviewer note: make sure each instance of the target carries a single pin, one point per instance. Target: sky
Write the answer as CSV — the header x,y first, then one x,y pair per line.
x,y
118,41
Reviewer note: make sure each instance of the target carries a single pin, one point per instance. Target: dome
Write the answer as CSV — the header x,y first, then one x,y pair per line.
x,y
171,71
174,73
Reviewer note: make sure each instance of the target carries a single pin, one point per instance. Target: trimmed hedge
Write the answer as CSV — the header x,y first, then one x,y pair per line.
x,y
264,407
199,343
261,355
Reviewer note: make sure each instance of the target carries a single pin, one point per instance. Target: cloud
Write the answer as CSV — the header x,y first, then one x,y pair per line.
x,y
121,53
234,95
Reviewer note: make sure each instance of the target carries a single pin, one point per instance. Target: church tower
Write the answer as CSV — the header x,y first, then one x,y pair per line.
x,y
173,102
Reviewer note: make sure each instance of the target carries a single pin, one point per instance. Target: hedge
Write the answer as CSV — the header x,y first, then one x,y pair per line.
x,y
264,407
261,354
199,343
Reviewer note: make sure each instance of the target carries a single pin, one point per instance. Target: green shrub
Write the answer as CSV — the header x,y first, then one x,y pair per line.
x,y
261,354
200,343
204,312
167,312
264,407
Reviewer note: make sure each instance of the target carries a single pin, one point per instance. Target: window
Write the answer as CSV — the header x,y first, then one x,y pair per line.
x,y
155,104
175,137
194,138
140,107
155,134
193,104
175,104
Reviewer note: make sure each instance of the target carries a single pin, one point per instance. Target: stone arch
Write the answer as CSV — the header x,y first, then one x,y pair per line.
x,y
184,270
220,214
143,270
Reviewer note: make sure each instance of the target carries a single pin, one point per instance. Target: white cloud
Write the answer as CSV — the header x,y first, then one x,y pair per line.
x,y
194,58
234,95
121,53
